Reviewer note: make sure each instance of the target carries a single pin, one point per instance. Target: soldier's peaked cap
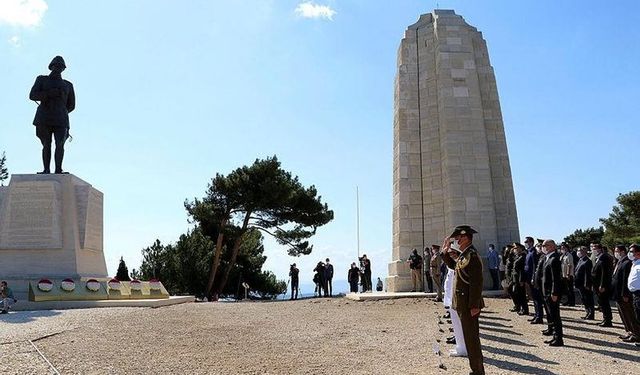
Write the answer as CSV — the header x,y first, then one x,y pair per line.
x,y
518,245
462,229
435,246
58,60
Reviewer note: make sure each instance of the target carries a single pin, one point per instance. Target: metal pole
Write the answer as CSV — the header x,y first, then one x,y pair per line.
x,y
358,220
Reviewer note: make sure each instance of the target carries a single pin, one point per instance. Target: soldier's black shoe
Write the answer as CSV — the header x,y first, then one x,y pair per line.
x,y
446,316
451,340
606,324
557,342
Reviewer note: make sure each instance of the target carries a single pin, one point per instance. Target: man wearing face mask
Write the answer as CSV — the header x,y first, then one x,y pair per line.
x,y
518,280
634,280
568,268
601,274
584,283
552,289
467,285
531,261
57,99
622,295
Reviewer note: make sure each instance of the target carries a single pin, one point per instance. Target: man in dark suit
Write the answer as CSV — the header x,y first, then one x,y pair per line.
x,y
552,289
622,295
583,282
57,99
519,279
601,274
530,264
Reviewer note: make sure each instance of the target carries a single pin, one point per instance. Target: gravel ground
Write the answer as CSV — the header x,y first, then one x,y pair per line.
x,y
302,337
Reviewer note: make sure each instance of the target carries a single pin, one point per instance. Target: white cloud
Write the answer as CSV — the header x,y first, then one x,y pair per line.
x,y
309,9
25,13
15,40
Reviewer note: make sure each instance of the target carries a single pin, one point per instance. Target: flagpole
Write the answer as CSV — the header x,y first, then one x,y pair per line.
x,y
358,220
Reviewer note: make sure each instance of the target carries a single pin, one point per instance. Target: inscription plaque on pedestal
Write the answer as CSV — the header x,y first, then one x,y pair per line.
x,y
32,216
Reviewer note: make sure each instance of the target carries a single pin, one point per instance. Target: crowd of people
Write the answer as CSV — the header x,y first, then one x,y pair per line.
x,y
548,276
323,278
538,271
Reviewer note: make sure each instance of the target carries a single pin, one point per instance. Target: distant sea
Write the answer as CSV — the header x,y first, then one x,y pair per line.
x,y
306,289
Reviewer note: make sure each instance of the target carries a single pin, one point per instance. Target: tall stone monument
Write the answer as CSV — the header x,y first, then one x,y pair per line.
x,y
51,225
450,159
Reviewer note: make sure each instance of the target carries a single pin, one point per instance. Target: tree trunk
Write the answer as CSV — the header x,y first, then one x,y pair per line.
x,y
234,255
216,261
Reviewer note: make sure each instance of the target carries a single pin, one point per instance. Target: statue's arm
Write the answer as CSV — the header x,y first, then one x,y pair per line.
x,y
37,92
71,99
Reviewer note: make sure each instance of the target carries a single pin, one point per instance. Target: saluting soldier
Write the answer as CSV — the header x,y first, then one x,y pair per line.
x,y
467,286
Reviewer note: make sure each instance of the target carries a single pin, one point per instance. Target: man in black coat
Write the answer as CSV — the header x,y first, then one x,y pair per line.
x,y
552,289
584,283
328,276
353,277
622,295
57,99
601,274
518,280
531,262
294,274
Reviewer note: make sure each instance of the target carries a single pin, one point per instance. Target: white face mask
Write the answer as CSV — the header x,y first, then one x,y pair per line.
x,y
631,256
618,256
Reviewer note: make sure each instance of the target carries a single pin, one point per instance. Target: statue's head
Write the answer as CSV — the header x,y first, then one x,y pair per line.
x,y
57,64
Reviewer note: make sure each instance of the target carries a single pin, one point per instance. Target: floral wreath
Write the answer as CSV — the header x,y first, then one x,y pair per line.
x,y
136,285
68,285
45,285
114,284
154,284
93,285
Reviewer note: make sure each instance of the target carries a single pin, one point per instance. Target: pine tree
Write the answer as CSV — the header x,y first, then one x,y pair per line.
x,y
123,271
4,172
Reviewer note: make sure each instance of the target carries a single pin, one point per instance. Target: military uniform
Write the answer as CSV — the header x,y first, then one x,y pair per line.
x,y
467,287
435,266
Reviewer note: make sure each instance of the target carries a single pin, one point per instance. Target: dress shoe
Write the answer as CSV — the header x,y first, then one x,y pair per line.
x,y
588,317
549,341
523,312
547,332
623,337
514,309
638,344
451,341
631,339
605,324
537,321
532,319
557,342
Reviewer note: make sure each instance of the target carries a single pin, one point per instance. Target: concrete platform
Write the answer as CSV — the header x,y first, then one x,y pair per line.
x,y
23,305
377,296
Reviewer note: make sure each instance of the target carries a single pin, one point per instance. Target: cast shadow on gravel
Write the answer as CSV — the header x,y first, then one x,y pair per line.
x,y
493,324
504,340
588,329
482,316
21,317
612,354
517,354
605,344
500,330
521,369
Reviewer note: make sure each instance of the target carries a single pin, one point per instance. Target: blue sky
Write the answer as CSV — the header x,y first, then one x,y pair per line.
x,y
169,93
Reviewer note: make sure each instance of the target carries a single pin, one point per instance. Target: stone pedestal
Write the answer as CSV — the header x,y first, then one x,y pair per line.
x,y
450,159
50,226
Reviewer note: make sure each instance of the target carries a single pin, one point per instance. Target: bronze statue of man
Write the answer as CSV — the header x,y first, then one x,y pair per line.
x,y
57,99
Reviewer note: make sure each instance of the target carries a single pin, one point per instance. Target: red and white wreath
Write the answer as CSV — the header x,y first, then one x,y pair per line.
x,y
68,285
115,284
154,284
136,285
45,285
93,285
